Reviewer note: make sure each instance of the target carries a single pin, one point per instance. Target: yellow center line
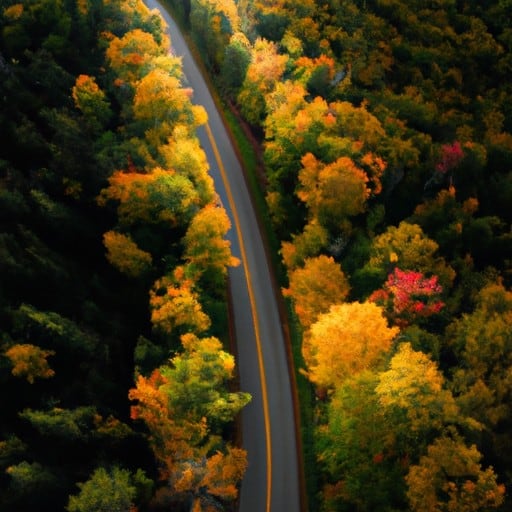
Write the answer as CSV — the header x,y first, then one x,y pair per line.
x,y
254,312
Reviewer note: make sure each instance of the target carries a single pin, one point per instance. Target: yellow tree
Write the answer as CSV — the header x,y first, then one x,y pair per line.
x,y
29,361
159,196
450,478
332,192
337,134
206,248
129,55
346,340
211,481
183,153
124,254
265,70
160,98
408,248
175,304
413,394
315,287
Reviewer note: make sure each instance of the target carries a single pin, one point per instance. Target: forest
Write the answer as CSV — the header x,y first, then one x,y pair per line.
x,y
118,387
385,130
385,134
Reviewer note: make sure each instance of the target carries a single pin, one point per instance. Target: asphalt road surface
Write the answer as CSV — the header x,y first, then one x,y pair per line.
x,y
271,482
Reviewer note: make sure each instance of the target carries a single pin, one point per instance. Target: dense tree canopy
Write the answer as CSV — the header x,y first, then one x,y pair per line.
x,y
111,249
385,131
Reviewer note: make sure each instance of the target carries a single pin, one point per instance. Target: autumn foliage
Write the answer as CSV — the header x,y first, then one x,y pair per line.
x,y
112,246
30,361
123,253
315,287
205,245
183,405
408,296
174,303
385,131
450,478
451,156
346,340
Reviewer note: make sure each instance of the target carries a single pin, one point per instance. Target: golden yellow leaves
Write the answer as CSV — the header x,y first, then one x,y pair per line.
x,y
348,339
13,12
414,384
127,54
124,254
174,303
29,361
205,245
315,287
332,192
449,478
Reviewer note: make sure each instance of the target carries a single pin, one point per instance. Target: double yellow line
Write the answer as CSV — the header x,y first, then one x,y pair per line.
x,y
254,313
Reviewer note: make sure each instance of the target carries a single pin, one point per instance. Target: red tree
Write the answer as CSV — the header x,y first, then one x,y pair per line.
x,y
451,155
408,295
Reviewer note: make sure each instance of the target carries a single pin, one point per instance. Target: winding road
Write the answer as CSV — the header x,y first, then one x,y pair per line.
x,y
271,483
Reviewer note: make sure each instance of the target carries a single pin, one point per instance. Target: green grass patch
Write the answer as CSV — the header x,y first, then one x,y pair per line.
x,y
307,401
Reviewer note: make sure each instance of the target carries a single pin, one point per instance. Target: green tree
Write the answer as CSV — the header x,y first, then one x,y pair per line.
x,y
212,23
67,425
105,491
92,102
305,245
236,61
54,330
30,481
356,447
482,342
197,381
